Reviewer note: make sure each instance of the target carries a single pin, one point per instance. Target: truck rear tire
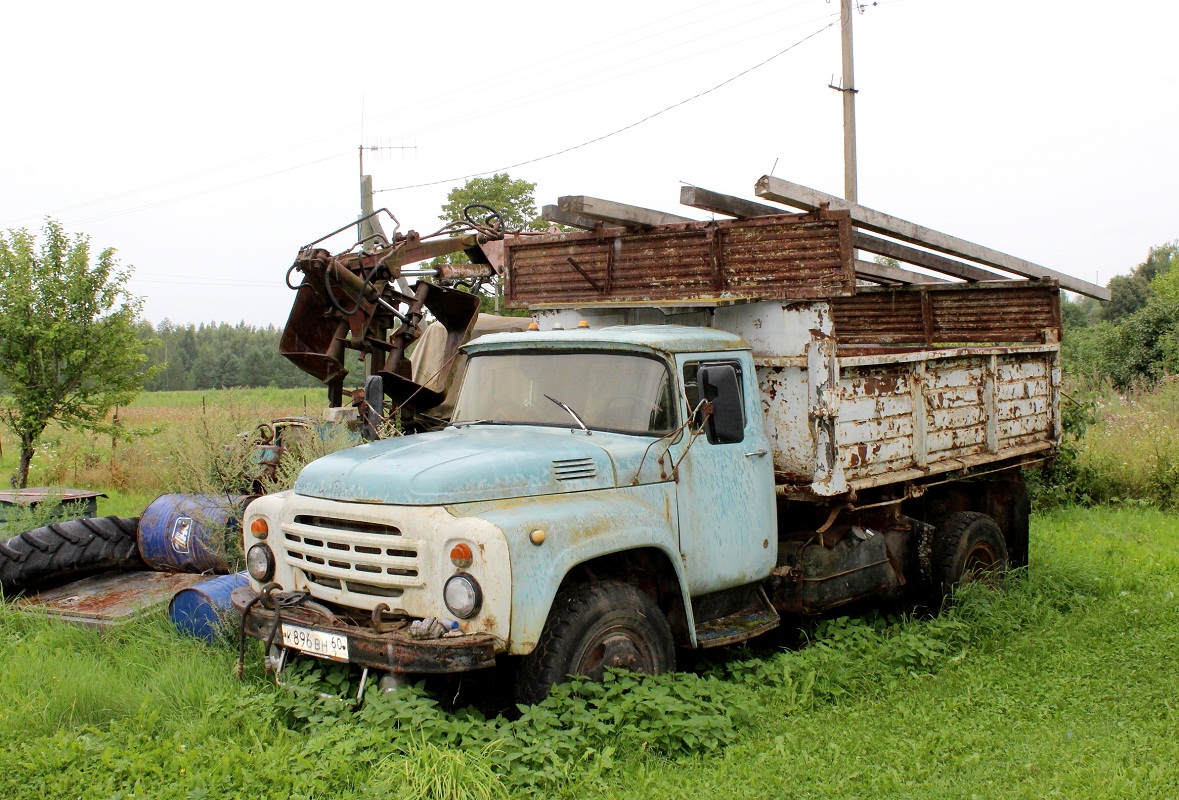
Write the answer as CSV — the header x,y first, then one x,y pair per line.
x,y
66,549
967,546
591,627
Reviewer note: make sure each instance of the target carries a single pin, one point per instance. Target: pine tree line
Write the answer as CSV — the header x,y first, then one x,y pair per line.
x,y
217,356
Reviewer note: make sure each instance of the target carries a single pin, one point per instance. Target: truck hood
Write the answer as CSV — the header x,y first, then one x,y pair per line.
x,y
479,462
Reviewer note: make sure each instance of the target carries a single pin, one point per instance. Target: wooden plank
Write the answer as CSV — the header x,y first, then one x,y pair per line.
x,y
923,258
725,204
617,213
555,214
792,194
883,273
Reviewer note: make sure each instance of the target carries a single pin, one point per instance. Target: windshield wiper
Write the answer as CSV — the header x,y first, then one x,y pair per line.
x,y
572,413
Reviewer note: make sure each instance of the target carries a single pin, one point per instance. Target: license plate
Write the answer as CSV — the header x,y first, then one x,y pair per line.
x,y
317,643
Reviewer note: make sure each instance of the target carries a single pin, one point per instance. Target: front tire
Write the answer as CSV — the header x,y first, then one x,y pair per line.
x,y
968,546
592,627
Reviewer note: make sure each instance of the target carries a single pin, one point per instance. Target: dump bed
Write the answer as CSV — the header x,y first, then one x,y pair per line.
x,y
862,386
857,421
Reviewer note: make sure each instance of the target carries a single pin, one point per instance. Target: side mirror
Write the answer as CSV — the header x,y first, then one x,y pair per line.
x,y
719,386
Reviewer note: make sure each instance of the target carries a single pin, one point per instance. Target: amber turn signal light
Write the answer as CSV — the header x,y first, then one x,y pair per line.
x,y
259,528
461,556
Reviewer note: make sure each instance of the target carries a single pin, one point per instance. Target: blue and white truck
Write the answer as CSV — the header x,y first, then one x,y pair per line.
x,y
710,426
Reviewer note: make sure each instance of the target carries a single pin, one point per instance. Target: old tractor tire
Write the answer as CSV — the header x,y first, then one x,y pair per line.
x,y
65,549
593,626
967,546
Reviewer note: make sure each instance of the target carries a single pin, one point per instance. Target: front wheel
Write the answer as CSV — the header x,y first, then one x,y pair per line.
x,y
592,627
968,546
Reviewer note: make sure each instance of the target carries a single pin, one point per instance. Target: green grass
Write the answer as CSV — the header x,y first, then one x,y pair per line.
x,y
309,401
171,436
1129,450
1062,685
1075,694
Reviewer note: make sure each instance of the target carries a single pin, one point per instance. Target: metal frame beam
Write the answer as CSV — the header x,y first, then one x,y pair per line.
x,y
923,258
883,273
792,194
617,213
725,204
555,214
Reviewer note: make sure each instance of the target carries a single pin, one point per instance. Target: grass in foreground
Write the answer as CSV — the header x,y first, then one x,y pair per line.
x,y
1062,686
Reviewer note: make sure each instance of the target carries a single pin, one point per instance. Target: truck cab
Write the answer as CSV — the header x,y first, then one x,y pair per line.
x,y
626,467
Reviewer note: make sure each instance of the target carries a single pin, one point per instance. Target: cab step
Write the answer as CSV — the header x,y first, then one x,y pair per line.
x,y
756,618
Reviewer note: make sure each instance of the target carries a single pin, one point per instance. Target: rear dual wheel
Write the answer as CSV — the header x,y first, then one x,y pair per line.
x,y
968,546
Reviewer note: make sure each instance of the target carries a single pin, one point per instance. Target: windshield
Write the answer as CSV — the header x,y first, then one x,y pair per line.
x,y
605,391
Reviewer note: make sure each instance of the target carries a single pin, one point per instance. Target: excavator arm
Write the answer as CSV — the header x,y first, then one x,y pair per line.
x,y
358,300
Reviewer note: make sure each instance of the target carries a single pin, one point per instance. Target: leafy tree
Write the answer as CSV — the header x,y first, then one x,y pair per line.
x,y
1128,294
512,198
69,345
1159,260
1131,293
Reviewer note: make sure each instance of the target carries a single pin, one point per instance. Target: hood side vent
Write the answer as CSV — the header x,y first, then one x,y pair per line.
x,y
572,469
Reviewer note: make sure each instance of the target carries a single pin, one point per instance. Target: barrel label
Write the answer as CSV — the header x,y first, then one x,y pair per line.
x,y
181,533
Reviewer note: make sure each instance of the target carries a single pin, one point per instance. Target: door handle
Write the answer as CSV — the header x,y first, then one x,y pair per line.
x,y
761,452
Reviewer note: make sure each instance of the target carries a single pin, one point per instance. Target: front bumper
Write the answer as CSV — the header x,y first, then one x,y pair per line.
x,y
393,651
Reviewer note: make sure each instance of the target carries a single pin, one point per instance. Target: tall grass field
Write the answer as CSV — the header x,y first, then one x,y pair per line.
x,y
1063,683
167,437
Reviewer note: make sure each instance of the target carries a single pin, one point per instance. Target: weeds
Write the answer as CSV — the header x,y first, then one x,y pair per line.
x,y
427,771
22,518
1059,685
1116,448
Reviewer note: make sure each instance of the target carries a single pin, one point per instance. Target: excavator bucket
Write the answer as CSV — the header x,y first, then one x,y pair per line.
x,y
350,301
457,311
311,339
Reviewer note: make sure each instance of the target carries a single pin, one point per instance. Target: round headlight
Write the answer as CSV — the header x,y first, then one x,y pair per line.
x,y
462,595
260,563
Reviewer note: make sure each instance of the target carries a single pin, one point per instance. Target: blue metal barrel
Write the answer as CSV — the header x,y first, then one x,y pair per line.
x,y
204,610
190,532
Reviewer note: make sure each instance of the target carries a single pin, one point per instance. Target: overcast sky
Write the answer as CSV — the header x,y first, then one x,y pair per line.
x,y
207,142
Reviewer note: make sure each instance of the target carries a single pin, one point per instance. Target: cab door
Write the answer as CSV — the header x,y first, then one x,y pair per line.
x,y
724,484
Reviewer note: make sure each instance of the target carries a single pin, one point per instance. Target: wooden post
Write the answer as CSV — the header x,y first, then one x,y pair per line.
x,y
848,90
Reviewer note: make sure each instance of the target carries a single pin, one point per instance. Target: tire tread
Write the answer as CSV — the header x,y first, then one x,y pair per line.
x,y
62,549
540,669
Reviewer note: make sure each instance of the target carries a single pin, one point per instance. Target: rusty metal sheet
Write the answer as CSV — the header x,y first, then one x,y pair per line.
x,y
990,312
109,598
926,415
791,256
38,494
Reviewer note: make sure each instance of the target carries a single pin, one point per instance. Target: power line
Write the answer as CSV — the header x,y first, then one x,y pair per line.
x,y
619,130
526,71
578,84
210,190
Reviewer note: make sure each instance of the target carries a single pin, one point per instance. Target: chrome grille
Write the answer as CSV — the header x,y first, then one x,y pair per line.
x,y
348,555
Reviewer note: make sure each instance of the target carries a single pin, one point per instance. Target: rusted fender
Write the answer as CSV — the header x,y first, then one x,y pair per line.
x,y
577,527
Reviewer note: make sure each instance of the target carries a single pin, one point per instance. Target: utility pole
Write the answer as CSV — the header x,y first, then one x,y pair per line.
x,y
372,225
368,225
847,86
